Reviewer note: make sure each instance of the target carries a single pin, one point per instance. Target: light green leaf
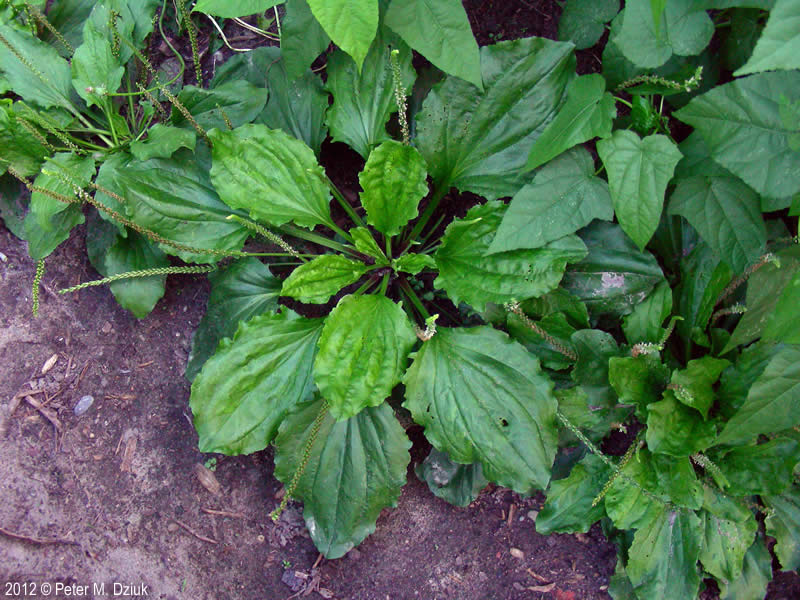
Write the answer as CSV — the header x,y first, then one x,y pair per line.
x,y
683,30
783,524
594,348
695,382
783,325
272,175
779,44
355,469
240,291
773,402
632,501
363,353
240,101
303,38
316,281
364,100
94,67
587,113
366,244
568,508
44,78
726,538
564,196
478,140
756,575
761,469
662,561
413,263
482,398
644,323
740,120
726,213
174,198
394,182
675,429
162,142
638,173
440,31
469,275
583,21
615,276
248,387
457,484
234,8
351,24
638,380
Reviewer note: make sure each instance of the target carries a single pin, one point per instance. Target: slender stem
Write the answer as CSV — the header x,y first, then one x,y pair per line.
x,y
412,296
384,284
109,117
364,287
344,203
341,232
429,210
315,238
625,102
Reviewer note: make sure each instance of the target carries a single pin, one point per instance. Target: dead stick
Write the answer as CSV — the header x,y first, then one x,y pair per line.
x,y
33,540
223,513
194,533
46,412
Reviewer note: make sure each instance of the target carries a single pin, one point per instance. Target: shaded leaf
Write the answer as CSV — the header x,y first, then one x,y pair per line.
x,y
760,469
783,523
162,142
696,380
638,380
595,348
240,101
779,44
303,38
644,323
583,21
457,484
675,429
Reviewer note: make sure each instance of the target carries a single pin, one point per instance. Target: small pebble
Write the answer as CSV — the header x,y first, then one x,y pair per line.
x,y
532,514
83,405
3,257
517,553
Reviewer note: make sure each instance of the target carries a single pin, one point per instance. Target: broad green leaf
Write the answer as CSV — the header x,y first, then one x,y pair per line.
x,y
568,508
482,398
555,326
457,484
632,501
644,323
638,380
737,379
479,141
68,17
13,205
726,213
756,575
363,100
96,71
363,353
174,198
316,281
594,422
743,117
761,469
583,21
234,8
272,175
675,429
765,289
250,384
564,196
394,182
355,469
594,348
657,9
615,276
662,561
240,101
240,291
303,38
783,523
19,148
440,31
638,173
587,113
725,543
162,142
351,24
366,244
43,240
783,325
773,402
413,263
696,380
121,13
779,44
678,481
468,275
44,78
683,30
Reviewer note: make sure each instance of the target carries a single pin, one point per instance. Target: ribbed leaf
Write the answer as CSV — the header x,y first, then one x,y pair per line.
x,y
469,275
779,44
457,484
316,281
628,504
482,398
363,353
696,380
240,101
727,534
351,24
355,469
246,389
638,380
595,349
270,174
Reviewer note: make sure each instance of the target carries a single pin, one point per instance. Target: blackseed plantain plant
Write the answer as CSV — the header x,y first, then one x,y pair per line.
x,y
656,304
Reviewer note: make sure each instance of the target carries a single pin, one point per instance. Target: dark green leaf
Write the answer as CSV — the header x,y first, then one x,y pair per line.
x,y
564,196
355,469
363,353
394,182
162,142
762,469
272,175
303,38
595,348
779,44
247,388
19,148
469,275
240,101
583,21
783,523
745,29
644,323
678,481
234,8
555,326
593,421
479,140
675,429
756,574
638,380
351,24
559,300
316,281
68,17
726,538
482,398
13,205
455,483
695,382
783,324
737,379
240,291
